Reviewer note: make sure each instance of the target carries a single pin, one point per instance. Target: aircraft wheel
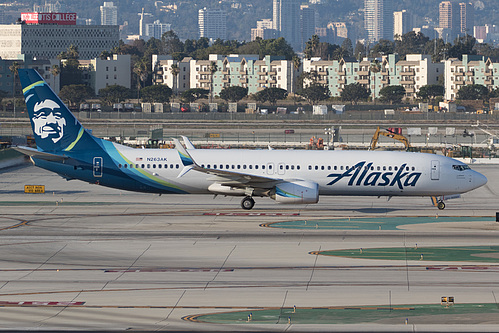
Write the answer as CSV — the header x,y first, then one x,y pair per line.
x,y
247,203
441,205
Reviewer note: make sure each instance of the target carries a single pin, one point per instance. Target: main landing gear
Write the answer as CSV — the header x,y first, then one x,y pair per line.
x,y
247,203
440,205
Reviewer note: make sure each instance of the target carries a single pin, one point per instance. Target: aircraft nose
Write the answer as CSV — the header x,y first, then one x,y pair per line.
x,y
479,180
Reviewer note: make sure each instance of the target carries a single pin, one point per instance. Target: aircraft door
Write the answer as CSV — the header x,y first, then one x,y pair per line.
x,y
435,170
97,166
281,168
270,168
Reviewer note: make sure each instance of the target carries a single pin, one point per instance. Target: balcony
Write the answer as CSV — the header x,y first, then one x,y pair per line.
x,y
470,82
342,81
459,74
273,72
407,81
225,79
470,73
225,71
408,72
272,81
160,72
207,80
260,88
364,73
363,81
342,73
261,81
204,72
489,82
159,80
385,81
410,90
262,73
243,80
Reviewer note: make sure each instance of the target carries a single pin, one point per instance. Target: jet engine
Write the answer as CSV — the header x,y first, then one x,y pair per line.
x,y
296,192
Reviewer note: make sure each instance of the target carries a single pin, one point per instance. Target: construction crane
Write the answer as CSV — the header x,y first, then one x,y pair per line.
x,y
391,134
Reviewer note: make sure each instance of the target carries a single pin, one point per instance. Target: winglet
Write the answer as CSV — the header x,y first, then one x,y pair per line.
x,y
188,143
184,155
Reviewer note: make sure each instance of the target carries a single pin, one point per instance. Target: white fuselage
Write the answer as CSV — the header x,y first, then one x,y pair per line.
x,y
376,173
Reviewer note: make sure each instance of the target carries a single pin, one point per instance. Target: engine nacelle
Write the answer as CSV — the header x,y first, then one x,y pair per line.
x,y
296,192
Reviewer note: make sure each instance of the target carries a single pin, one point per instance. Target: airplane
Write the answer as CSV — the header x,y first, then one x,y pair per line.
x,y
65,147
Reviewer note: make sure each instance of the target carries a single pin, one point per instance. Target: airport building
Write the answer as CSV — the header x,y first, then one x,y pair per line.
x,y
413,73
46,35
473,69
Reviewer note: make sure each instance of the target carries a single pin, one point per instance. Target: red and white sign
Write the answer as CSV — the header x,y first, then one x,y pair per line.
x,y
49,18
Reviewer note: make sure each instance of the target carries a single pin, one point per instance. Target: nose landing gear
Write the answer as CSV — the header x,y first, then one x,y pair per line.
x,y
247,203
441,205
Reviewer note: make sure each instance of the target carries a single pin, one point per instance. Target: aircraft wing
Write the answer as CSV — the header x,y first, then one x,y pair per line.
x,y
223,177
40,154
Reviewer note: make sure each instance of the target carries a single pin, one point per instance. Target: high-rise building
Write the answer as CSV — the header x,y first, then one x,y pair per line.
x,y
109,14
467,18
448,19
286,20
49,7
157,29
212,23
402,23
378,19
308,19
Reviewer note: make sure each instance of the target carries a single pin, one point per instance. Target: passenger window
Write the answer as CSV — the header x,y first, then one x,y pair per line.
x,y
341,167
178,166
148,166
256,167
297,167
270,167
159,166
287,167
310,167
154,166
389,168
335,167
126,166
143,166
292,167
214,166
406,168
395,168
384,168
119,166
131,166
281,167
329,167
208,166
136,166
244,166
322,167
233,166
227,166
263,167
221,166
413,168
202,165
171,166
316,167
238,166
250,166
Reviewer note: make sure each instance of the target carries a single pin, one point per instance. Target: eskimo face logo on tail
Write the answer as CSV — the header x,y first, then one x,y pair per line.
x,y
362,174
48,121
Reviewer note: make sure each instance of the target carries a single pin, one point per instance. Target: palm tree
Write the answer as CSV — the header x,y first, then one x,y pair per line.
x,y
374,67
213,68
175,70
14,69
140,69
296,65
55,70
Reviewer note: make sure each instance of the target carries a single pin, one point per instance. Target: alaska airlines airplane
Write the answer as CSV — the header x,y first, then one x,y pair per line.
x,y
64,146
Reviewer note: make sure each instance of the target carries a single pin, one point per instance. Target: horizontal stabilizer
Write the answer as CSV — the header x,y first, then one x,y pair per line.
x,y
40,154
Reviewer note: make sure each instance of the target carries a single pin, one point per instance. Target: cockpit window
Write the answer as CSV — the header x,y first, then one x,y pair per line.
x,y
460,167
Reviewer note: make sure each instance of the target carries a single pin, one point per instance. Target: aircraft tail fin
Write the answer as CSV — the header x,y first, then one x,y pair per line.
x,y
55,128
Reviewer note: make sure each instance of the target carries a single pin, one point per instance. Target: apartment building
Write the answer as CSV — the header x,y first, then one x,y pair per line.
x,y
163,74
472,69
99,73
413,73
243,70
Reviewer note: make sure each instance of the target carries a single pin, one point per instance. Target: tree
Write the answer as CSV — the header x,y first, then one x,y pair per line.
x,y
430,92
114,94
383,47
14,69
193,94
272,95
494,93
141,72
411,43
71,73
315,93
156,94
473,92
74,94
175,71
233,94
462,45
55,70
171,42
212,68
347,47
392,94
354,92
375,67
